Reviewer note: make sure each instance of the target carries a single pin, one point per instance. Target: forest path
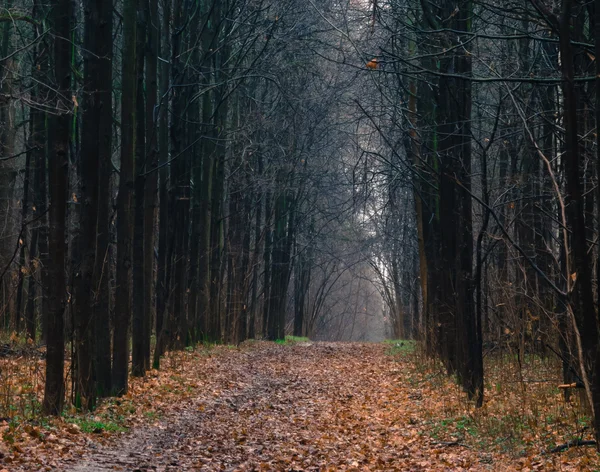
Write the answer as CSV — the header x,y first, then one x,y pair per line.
x,y
306,406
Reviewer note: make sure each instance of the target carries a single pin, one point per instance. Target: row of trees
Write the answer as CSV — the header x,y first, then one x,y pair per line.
x,y
174,172
487,152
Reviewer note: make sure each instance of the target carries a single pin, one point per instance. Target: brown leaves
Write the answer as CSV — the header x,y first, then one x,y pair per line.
x,y
310,407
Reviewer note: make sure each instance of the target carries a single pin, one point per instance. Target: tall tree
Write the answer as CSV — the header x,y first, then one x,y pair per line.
x,y
140,312
150,198
93,148
102,104
38,138
124,203
163,225
60,128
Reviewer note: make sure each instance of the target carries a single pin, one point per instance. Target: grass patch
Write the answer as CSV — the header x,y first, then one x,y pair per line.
x,y
523,412
96,424
454,427
292,340
151,415
398,347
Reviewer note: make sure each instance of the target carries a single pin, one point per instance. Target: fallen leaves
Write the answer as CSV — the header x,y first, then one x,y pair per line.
x,y
300,407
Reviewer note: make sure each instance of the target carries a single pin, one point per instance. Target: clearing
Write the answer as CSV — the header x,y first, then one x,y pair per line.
x,y
301,406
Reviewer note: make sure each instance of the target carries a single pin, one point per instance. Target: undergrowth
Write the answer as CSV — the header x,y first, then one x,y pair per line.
x,y
400,346
292,340
97,424
523,412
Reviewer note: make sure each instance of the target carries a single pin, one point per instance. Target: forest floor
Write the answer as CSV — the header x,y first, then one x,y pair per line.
x,y
300,406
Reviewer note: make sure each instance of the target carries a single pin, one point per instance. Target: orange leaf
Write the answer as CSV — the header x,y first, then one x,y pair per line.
x,y
372,64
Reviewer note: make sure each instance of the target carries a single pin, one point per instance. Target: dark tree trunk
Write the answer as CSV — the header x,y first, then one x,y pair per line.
x,y
150,198
204,193
39,137
302,282
258,229
140,312
60,124
8,133
163,155
242,326
101,275
582,299
180,181
398,317
30,319
457,335
267,256
124,204
92,136
214,327
194,142
216,248
597,83
280,264
23,241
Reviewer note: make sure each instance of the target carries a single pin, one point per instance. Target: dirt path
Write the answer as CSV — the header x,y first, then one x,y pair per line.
x,y
310,406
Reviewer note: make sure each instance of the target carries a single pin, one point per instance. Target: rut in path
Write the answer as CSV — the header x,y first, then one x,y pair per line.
x,y
309,406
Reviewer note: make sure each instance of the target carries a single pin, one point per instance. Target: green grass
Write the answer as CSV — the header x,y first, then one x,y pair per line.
x,y
459,426
398,347
96,425
151,415
504,433
292,340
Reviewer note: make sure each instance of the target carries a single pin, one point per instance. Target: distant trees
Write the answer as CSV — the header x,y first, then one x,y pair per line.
x,y
172,166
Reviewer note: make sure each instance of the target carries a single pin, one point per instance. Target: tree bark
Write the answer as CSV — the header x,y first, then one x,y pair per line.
x,y
124,204
151,189
60,127
140,312
101,275
163,156
92,127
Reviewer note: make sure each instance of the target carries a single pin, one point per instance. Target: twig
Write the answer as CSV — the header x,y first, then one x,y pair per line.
x,y
573,443
571,385
451,444
19,243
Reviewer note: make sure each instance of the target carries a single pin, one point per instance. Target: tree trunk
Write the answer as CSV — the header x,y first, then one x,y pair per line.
x,y
267,256
39,138
582,300
163,156
195,143
30,319
180,181
140,312
258,229
101,275
150,197
242,326
301,290
281,263
60,20
23,242
8,132
92,127
204,193
124,204
214,327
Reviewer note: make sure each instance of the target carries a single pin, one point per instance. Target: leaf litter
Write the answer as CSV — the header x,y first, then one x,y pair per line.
x,y
262,407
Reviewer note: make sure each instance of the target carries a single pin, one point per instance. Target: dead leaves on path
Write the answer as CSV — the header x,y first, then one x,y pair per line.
x,y
314,407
